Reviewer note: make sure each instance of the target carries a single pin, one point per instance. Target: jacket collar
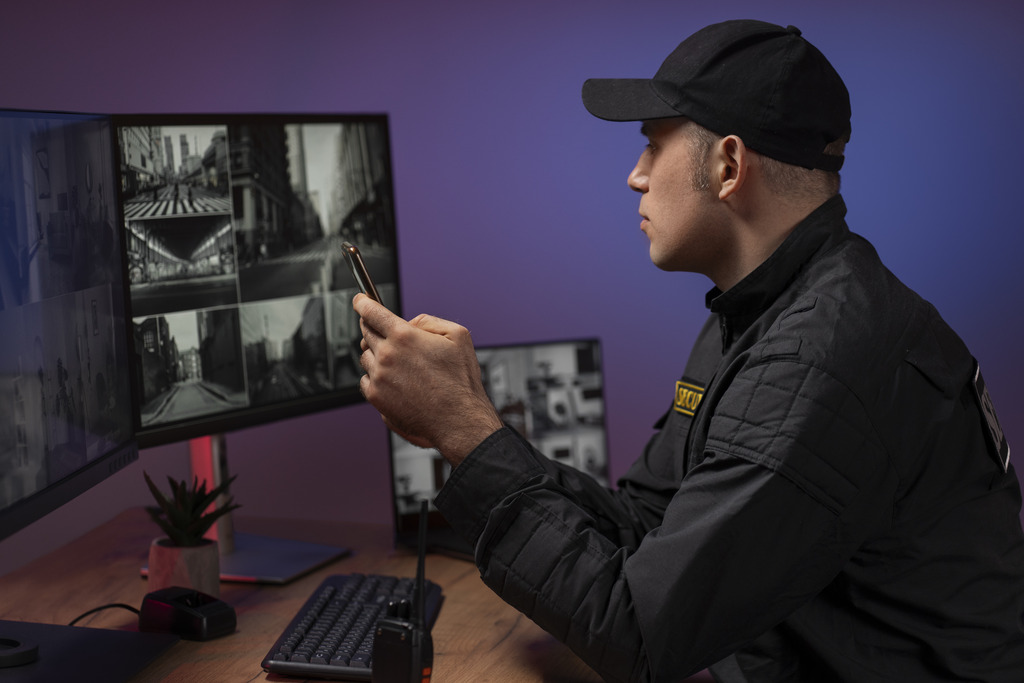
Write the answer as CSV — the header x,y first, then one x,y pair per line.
x,y
742,303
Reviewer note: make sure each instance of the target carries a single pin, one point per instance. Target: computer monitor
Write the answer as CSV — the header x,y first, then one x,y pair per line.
x,y
550,392
65,392
240,298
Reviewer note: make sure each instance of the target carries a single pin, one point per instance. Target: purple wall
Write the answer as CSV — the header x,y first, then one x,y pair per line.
x,y
513,212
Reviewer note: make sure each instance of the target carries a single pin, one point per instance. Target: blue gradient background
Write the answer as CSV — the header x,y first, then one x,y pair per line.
x,y
514,216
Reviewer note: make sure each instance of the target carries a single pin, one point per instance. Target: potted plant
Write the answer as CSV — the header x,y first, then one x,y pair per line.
x,y
183,557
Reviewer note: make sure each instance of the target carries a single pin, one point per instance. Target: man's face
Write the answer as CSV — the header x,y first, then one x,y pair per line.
x,y
676,203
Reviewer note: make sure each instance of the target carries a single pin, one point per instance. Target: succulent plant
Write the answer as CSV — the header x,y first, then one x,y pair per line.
x,y
183,514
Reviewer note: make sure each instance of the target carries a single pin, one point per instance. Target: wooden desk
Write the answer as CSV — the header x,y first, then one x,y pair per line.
x,y
477,637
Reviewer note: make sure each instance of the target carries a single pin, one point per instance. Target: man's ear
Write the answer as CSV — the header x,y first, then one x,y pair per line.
x,y
732,165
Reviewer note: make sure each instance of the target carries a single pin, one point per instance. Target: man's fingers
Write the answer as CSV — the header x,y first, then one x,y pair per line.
x,y
430,323
370,334
375,315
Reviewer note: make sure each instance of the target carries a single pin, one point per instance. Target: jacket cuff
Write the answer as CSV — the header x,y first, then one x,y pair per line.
x,y
495,469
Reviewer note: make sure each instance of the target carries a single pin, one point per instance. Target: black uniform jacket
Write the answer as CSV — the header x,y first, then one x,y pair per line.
x,y
823,502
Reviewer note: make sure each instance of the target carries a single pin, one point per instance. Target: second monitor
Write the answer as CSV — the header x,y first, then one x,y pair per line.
x,y
550,392
240,296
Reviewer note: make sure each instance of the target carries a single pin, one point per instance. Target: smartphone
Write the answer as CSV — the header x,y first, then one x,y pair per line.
x,y
359,271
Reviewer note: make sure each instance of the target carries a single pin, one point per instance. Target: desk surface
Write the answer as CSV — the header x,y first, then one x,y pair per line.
x,y
477,637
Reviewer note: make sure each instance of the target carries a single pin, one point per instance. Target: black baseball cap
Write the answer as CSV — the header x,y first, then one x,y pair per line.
x,y
762,82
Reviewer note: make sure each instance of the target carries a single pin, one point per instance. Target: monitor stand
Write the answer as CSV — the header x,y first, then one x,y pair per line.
x,y
251,558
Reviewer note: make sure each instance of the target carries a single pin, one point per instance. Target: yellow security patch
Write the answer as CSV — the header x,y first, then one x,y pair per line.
x,y
688,397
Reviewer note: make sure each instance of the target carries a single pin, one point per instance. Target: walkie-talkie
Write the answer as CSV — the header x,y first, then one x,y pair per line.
x,y
403,651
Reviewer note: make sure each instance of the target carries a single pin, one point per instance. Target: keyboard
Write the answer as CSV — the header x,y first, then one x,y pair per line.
x,y
331,636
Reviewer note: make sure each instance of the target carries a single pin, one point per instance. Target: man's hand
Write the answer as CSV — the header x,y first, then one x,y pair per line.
x,y
424,378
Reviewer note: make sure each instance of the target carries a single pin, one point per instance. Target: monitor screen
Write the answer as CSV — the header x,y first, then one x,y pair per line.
x,y
550,392
65,392
240,299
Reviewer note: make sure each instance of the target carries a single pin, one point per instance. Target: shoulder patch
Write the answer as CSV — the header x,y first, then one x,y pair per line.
x,y
997,439
688,397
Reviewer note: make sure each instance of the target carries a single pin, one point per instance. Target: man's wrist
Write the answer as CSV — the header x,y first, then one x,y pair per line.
x,y
459,444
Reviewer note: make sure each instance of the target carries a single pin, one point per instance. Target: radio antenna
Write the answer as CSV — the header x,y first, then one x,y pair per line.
x,y
419,591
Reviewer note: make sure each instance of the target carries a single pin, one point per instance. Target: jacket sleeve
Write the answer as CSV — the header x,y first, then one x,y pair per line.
x,y
745,540
552,543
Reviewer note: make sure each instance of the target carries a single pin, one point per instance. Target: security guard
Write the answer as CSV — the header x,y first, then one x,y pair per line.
x,y
829,498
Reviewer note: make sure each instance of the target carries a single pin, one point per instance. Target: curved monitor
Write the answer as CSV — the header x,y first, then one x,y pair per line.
x,y
65,390
65,396
240,298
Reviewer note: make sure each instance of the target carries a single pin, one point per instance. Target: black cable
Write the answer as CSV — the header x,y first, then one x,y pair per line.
x,y
120,605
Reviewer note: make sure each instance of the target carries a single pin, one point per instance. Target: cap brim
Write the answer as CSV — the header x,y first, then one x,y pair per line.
x,y
624,99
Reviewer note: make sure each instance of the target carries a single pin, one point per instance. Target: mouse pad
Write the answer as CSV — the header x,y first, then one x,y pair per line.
x,y
70,653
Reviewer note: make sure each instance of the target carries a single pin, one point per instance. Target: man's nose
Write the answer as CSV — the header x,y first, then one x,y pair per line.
x,y
637,179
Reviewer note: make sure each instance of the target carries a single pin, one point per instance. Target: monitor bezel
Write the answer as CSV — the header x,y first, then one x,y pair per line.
x,y
38,505
249,416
